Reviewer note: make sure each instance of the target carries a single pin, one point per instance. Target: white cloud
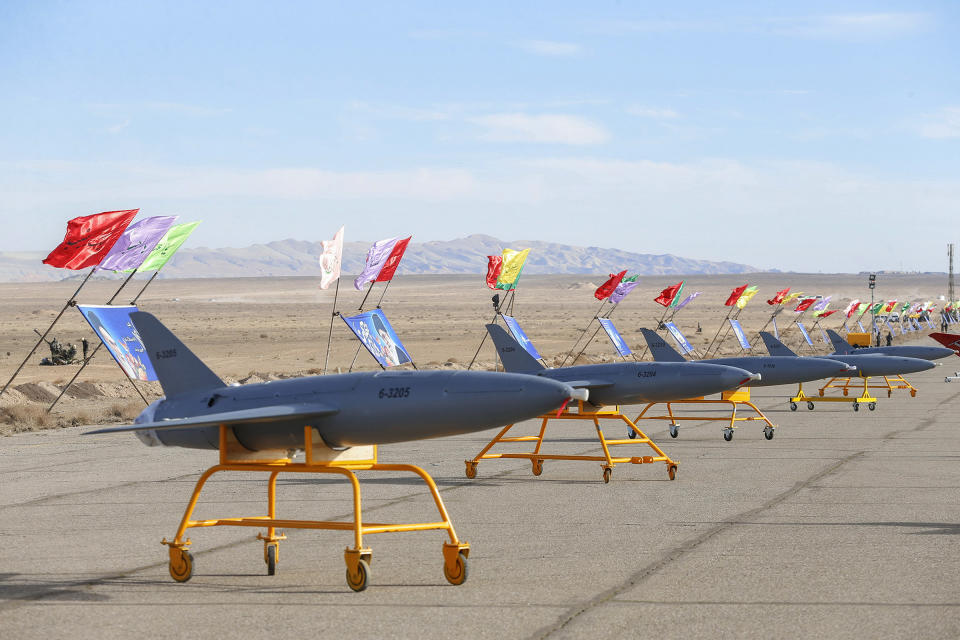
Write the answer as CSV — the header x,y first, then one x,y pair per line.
x,y
652,112
853,25
544,128
117,128
551,48
942,125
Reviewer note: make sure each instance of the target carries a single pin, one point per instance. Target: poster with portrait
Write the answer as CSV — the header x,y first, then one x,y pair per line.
x,y
377,335
113,326
615,337
520,336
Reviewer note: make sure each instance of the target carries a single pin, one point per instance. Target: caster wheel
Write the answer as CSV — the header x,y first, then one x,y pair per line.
x,y
537,467
674,431
913,393
607,473
728,434
458,573
856,406
793,406
768,433
844,392
809,406
631,434
272,559
889,394
358,582
181,564
471,469
872,406
672,471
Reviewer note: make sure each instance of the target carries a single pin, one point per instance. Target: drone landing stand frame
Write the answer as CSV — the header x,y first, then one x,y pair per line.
x,y
732,399
583,412
319,459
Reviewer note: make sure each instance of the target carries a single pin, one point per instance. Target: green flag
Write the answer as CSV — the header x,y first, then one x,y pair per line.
x,y
167,246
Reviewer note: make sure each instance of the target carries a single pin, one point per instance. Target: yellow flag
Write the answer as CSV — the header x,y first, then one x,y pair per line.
x,y
798,294
512,265
745,296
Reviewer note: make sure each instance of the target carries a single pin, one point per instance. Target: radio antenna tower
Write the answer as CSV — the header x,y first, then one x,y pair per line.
x,y
950,297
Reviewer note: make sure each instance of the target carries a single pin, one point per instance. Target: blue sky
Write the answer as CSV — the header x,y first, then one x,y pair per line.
x,y
816,136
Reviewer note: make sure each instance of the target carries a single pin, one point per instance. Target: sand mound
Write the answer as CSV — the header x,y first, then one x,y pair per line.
x,y
39,391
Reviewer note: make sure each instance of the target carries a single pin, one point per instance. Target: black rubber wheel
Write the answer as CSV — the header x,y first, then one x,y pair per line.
x,y
768,433
272,560
728,434
672,471
607,473
459,573
872,406
674,431
793,406
856,406
359,581
631,434
182,570
809,406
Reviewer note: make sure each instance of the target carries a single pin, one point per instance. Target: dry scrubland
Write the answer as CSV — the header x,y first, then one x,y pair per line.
x,y
253,329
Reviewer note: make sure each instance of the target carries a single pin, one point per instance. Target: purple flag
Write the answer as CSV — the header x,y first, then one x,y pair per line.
x,y
136,243
621,291
820,306
688,299
376,256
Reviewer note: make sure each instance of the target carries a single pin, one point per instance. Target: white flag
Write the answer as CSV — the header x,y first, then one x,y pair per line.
x,y
330,260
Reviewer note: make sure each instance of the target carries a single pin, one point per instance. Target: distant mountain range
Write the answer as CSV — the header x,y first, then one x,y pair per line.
x,y
462,255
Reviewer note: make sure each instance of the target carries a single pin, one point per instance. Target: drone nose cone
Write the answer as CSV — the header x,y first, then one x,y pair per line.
x,y
733,377
940,352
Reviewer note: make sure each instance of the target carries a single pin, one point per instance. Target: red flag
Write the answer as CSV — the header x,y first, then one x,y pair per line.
x,y
735,295
603,291
89,239
667,295
393,260
778,298
805,304
494,263
826,314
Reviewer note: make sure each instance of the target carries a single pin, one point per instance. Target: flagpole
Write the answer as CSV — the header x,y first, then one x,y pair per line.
x,y
719,329
364,301
87,360
145,287
360,308
71,302
584,332
333,315
726,332
384,292
595,332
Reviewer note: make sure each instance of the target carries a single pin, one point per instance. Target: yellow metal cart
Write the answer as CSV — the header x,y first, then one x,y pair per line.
x,y
319,459
732,399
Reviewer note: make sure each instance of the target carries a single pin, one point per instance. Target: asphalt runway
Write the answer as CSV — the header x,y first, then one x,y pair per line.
x,y
844,525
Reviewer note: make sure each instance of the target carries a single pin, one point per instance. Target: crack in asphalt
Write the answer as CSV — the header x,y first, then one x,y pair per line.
x,y
683,549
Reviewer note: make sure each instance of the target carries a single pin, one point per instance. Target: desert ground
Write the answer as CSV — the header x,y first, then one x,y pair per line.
x,y
250,329
844,525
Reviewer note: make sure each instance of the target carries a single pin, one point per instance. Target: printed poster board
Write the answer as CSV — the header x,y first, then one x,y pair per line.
x,y
806,336
615,337
377,335
520,336
679,338
738,331
113,326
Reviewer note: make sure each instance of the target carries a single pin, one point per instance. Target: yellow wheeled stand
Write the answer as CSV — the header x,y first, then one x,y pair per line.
x,y
890,383
856,401
733,399
582,412
319,459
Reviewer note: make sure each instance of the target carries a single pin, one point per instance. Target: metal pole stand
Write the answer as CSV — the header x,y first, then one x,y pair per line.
x,y
863,398
890,383
733,399
588,413
319,459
